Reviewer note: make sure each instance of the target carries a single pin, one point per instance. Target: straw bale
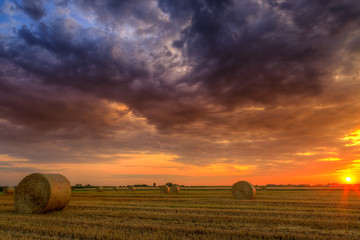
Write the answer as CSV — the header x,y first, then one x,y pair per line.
x,y
174,188
164,189
243,190
40,193
8,190
131,188
99,188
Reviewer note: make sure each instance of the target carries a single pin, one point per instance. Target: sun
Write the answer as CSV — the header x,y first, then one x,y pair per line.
x,y
348,179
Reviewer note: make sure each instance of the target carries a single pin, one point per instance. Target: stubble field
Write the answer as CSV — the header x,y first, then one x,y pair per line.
x,y
191,214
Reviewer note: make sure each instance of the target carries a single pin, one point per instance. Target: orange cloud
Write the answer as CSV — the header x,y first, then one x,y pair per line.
x,y
305,153
329,159
138,168
352,139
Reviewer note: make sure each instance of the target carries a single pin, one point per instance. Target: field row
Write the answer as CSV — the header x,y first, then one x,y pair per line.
x,y
190,215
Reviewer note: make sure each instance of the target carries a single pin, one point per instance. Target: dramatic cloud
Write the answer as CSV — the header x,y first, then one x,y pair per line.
x,y
210,82
33,8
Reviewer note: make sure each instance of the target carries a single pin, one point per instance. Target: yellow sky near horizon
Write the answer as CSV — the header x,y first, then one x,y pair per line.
x,y
147,167
328,165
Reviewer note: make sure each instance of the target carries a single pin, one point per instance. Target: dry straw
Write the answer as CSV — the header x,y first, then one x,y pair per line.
x,y
243,190
99,188
131,188
164,189
40,193
116,188
9,190
174,188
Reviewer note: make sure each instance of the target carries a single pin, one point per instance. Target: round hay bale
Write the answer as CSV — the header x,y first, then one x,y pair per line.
x,y
9,190
99,188
40,193
243,190
174,188
131,188
116,188
164,189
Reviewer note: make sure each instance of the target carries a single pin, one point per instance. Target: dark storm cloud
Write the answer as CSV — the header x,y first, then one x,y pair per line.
x,y
333,15
26,102
238,52
33,8
117,12
83,59
249,51
259,74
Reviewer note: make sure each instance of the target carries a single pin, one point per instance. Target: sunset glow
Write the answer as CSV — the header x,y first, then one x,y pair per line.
x,y
353,138
194,92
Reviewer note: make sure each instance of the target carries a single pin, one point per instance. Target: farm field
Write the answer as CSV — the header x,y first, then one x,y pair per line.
x,y
191,214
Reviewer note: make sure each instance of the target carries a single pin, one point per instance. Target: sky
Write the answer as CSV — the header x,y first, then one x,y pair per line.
x,y
195,92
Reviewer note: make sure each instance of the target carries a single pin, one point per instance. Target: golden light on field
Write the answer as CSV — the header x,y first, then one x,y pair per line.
x,y
348,179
